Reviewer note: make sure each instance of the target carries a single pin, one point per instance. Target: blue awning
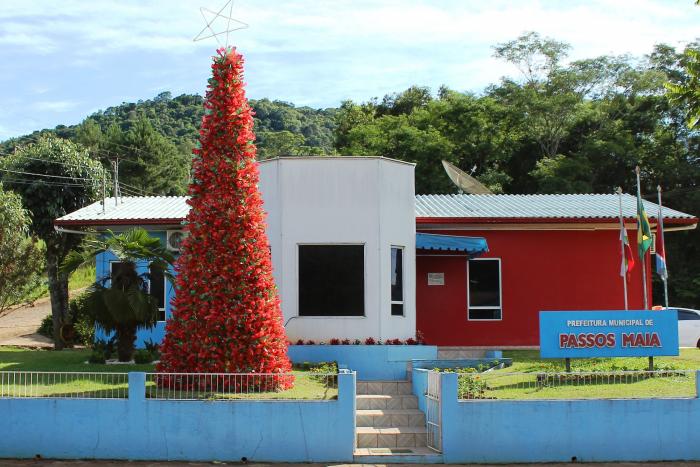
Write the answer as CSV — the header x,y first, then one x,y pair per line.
x,y
473,246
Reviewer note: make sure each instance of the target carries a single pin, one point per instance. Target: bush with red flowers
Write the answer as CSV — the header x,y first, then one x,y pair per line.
x,y
226,312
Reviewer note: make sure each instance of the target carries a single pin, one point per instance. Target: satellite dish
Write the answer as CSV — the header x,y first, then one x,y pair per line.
x,y
464,181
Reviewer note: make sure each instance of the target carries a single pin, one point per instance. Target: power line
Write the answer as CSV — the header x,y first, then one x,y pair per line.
x,y
47,175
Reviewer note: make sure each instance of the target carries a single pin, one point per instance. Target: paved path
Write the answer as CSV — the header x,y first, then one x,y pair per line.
x,y
18,327
85,463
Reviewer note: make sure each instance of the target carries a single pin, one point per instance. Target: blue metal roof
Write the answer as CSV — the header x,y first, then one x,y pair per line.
x,y
474,246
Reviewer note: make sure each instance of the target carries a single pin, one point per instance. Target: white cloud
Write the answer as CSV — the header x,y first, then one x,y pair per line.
x,y
55,106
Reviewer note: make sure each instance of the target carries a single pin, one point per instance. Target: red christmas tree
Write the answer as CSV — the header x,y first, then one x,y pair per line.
x,y
226,312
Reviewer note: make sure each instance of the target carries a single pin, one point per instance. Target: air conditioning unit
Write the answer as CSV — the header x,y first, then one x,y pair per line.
x,y
174,239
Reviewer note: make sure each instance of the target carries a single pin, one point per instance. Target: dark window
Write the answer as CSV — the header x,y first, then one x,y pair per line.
x,y
156,288
331,280
396,281
687,315
484,289
119,273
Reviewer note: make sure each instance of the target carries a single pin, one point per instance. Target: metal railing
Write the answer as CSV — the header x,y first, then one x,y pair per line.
x,y
577,385
433,411
31,384
234,386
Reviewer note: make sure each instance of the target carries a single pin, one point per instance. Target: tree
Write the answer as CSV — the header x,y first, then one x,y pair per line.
x,y
687,92
123,306
226,316
21,257
53,177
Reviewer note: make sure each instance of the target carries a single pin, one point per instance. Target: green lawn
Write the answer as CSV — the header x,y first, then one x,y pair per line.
x,y
111,385
524,379
81,278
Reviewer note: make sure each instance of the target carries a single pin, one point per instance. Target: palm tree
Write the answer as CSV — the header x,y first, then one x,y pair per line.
x,y
123,307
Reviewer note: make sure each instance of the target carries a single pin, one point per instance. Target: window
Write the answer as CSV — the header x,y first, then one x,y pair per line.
x,y
331,280
687,315
396,281
156,288
154,284
484,291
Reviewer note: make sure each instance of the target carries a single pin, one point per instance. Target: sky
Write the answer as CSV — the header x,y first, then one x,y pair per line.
x,y
60,61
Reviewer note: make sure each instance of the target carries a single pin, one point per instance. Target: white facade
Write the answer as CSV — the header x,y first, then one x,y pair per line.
x,y
343,200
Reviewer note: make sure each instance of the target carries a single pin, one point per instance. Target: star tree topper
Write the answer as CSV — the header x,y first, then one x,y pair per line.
x,y
210,17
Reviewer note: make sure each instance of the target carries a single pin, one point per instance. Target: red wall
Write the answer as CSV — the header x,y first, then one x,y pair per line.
x,y
540,270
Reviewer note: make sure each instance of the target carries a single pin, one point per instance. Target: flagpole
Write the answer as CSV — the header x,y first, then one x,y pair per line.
x,y
623,266
644,257
663,242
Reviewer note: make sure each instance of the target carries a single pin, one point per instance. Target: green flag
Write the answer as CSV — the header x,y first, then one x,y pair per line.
x,y
643,228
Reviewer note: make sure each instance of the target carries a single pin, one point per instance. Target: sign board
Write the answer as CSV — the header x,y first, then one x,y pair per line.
x,y
590,334
436,278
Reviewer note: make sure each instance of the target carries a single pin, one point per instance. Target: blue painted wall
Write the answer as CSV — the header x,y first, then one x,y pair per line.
x,y
419,385
556,431
155,334
371,362
141,429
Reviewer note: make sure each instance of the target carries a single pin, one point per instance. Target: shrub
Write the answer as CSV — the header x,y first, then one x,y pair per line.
x,y
153,349
335,341
104,347
97,357
46,327
370,341
394,342
356,342
411,341
320,371
300,342
345,342
143,356
83,321
310,342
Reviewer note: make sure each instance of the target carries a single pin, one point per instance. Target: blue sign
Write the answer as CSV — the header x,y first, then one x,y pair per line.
x,y
590,334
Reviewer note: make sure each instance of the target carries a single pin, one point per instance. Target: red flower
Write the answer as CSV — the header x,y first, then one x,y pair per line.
x,y
226,314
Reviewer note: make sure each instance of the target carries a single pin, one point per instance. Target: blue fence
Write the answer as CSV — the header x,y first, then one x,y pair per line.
x,y
138,428
488,431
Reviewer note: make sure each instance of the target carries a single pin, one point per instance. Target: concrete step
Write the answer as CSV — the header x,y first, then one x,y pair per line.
x,y
390,417
384,387
380,456
386,401
394,437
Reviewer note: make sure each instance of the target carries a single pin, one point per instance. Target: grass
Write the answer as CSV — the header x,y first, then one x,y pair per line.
x,y
521,380
73,360
81,278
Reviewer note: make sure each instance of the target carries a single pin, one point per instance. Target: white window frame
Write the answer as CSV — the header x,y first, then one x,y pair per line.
x,y
364,279
403,285
500,292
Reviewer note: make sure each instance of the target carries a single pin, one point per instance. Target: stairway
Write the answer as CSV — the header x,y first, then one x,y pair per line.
x,y
390,427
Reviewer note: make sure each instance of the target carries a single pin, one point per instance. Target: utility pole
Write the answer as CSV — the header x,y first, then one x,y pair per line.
x,y
115,169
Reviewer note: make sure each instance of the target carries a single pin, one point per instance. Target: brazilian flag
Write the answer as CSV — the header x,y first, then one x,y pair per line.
x,y
643,228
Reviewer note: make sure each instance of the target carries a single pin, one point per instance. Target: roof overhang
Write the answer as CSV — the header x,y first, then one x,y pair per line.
x,y
473,246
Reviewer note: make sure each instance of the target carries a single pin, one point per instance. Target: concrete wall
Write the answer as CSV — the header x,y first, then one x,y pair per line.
x,y
371,362
343,200
142,429
557,431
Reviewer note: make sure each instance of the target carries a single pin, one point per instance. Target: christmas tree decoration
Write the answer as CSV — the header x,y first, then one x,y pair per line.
x,y
226,312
